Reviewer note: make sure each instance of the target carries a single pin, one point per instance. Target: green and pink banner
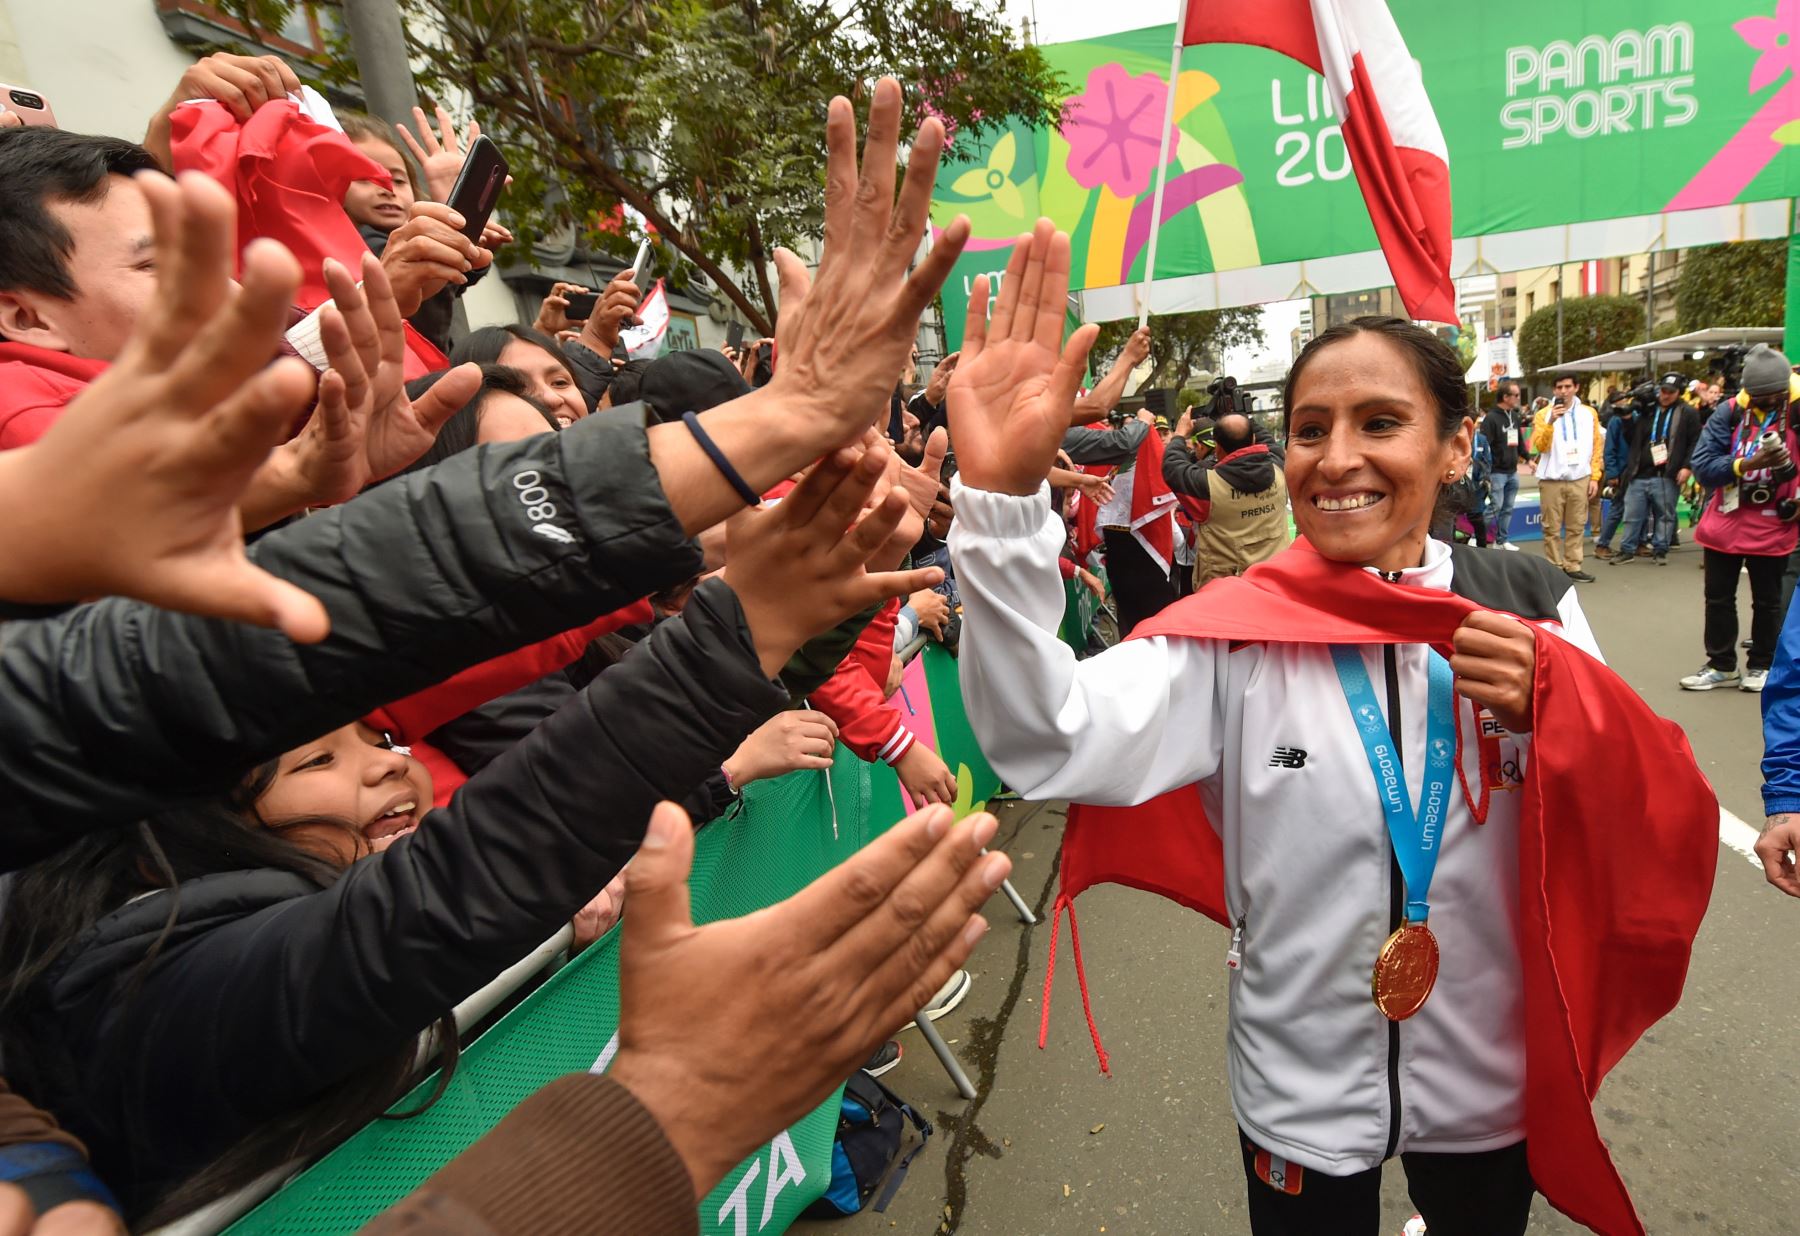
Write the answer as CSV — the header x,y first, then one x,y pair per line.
x,y
1556,113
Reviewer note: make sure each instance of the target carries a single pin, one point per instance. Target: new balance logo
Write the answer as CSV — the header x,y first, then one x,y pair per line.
x,y
1288,757
551,532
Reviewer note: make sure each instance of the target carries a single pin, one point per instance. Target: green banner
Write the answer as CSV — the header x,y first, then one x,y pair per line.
x,y
789,831
1554,112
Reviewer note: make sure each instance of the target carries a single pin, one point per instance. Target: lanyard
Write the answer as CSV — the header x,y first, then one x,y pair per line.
x,y
1660,431
1415,834
1744,444
1574,434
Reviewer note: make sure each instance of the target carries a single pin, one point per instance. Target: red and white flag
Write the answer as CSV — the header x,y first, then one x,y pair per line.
x,y
646,340
1395,144
1153,503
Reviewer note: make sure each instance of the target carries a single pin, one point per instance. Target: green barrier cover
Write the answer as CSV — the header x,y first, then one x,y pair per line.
x,y
1078,614
1554,112
789,831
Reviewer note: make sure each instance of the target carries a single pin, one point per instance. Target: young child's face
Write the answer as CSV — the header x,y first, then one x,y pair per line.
x,y
351,774
370,205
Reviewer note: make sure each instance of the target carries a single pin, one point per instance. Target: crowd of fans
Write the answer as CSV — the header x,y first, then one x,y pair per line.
x,y
274,809
347,659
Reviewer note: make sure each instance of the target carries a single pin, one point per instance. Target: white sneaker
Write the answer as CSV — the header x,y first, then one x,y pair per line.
x,y
1415,1226
1511,546
951,994
1708,678
1753,680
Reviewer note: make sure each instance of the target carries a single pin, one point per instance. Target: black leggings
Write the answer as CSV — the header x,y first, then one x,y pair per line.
x,y
1141,588
1483,1194
1722,608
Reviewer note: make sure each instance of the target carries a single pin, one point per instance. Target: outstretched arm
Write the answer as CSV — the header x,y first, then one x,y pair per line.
x,y
1118,728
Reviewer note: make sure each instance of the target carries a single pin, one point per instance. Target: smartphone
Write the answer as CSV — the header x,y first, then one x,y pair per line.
x,y
478,186
734,336
581,306
640,265
29,105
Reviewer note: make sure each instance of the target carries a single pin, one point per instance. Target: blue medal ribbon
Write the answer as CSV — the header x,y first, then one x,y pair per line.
x,y
1415,834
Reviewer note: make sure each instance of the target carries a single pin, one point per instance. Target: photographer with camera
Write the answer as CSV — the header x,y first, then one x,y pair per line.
x,y
1746,457
1235,493
1658,437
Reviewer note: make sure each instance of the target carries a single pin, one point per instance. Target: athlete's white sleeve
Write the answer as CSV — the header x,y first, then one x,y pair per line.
x,y
1116,729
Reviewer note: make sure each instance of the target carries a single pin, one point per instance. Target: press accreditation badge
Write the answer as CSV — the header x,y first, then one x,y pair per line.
x,y
1728,499
1659,453
1571,452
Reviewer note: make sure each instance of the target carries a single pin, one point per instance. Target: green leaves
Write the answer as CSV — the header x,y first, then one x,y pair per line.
x,y
1181,344
1591,325
1744,284
708,115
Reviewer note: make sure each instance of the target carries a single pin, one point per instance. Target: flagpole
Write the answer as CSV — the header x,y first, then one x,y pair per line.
x,y
1162,160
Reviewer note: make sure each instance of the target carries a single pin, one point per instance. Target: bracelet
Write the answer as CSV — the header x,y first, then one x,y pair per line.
x,y
726,774
749,495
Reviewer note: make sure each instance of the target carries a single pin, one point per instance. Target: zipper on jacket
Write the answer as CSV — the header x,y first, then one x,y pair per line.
x,y
1396,896
1234,956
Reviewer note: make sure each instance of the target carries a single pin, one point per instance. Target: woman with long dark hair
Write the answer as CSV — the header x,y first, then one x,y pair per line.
x,y
1368,813
549,378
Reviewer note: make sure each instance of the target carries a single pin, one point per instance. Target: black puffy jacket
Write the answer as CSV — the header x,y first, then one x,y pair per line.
x,y
269,991
117,710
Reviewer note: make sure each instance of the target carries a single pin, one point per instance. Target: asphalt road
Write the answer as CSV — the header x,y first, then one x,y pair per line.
x,y
1703,1116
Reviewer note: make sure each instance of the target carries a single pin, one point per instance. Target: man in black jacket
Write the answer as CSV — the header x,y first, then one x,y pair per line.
x,y
1658,443
1501,428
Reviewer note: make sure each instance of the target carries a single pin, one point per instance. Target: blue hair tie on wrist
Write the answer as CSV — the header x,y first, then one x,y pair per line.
x,y
749,495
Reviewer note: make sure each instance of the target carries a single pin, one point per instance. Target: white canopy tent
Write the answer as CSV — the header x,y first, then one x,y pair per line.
x,y
1606,362
1709,340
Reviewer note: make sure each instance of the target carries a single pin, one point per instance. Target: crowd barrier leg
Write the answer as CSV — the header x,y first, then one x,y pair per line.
x,y
945,1056
1018,902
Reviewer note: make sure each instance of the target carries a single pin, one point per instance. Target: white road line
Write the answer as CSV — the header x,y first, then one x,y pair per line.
x,y
1740,836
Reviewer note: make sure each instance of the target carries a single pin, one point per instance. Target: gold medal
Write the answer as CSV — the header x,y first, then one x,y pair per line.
x,y
1405,972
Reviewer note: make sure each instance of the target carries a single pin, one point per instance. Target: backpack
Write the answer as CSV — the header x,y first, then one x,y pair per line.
x,y
871,1127
1481,463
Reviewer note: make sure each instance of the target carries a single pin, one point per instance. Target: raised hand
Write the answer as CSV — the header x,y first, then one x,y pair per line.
x,y
440,155
240,83
427,252
730,1032
939,381
552,315
365,427
843,338
798,572
1013,392
617,310
161,447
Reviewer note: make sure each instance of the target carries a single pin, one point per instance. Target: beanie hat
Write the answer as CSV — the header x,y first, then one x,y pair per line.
x,y
1766,371
690,381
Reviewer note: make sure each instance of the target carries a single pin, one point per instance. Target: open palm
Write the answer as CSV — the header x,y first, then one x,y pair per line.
x,y
1012,392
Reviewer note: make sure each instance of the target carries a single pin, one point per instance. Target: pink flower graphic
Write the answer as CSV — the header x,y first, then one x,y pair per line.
x,y
1113,129
1772,129
1777,38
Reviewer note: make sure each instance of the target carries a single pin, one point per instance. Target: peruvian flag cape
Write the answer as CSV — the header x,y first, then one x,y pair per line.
x,y
1152,503
1396,147
1604,942
289,174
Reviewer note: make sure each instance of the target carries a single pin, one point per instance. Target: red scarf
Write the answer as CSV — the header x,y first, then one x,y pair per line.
x,y
1604,944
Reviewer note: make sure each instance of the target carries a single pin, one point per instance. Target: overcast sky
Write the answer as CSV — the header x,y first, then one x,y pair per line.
x,y
1061,21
